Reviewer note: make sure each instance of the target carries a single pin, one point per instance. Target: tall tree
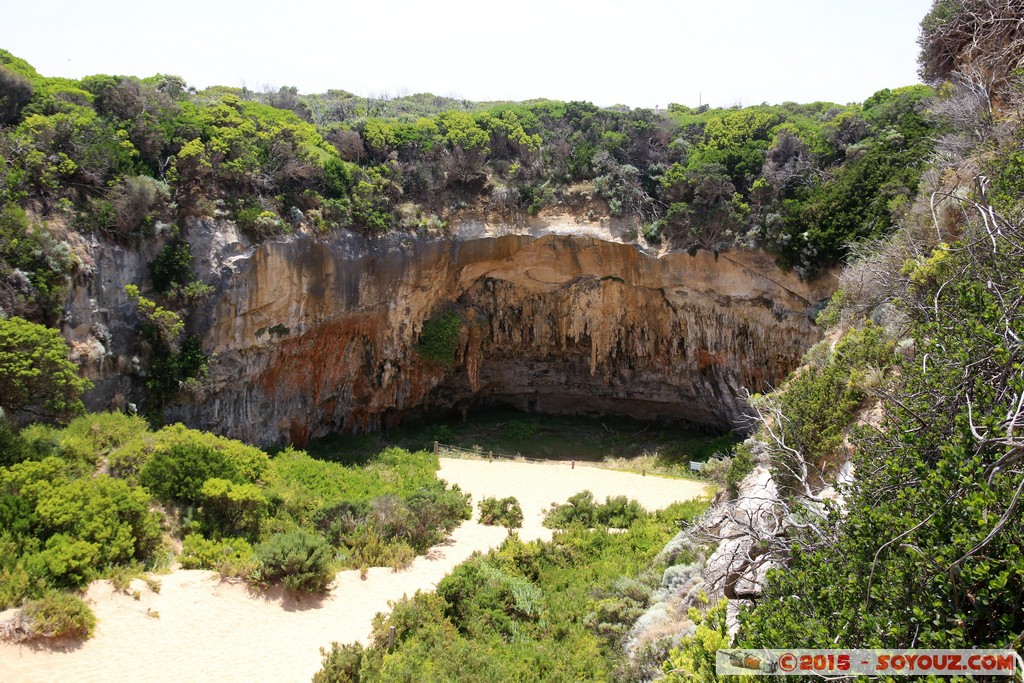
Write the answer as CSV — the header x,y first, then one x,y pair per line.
x,y
36,378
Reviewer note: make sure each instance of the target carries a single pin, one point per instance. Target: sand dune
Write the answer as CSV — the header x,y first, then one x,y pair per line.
x,y
198,628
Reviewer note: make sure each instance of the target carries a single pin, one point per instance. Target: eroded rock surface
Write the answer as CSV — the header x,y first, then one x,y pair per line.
x,y
311,335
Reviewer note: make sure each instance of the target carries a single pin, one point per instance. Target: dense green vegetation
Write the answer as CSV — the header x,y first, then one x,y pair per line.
x,y
581,510
37,381
54,615
171,359
926,404
927,552
126,157
526,612
97,498
440,337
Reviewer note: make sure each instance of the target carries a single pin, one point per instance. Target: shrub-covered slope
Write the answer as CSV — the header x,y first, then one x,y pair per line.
x,y
107,497
920,388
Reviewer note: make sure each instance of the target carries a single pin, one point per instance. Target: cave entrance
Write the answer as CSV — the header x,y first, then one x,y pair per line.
x,y
666,447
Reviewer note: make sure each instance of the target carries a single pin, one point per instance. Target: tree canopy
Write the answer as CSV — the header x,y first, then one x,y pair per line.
x,y
36,378
120,154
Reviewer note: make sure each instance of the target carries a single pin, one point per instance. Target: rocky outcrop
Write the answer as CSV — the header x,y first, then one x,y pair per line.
x,y
309,335
722,555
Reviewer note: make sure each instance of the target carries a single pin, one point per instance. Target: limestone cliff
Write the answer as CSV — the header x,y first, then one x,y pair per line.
x,y
309,335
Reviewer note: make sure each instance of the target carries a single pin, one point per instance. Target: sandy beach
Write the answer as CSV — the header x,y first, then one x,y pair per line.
x,y
199,628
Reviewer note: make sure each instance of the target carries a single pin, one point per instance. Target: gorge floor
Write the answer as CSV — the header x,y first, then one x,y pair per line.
x,y
200,628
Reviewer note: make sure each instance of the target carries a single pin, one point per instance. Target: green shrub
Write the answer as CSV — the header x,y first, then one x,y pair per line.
x,y
135,200
619,512
505,511
580,509
521,431
443,434
439,338
90,438
13,448
16,584
63,530
741,464
230,509
480,591
341,664
716,469
298,559
40,440
59,615
178,472
819,406
250,462
106,430
66,562
369,548
389,517
337,520
728,471
436,511
390,531
127,460
232,557
394,471
97,215
36,377
172,267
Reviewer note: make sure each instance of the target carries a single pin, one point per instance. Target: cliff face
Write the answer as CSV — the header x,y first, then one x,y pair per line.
x,y
309,336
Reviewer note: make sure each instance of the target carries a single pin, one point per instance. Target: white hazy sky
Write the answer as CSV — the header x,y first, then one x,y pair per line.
x,y
637,52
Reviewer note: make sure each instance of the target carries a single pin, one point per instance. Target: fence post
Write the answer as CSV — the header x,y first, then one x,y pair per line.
x,y
490,456
573,464
644,471
391,638
436,448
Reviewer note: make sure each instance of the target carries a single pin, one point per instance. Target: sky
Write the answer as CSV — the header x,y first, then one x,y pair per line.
x,y
642,53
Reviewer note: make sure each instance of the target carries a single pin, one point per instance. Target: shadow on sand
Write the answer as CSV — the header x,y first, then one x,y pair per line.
x,y
290,601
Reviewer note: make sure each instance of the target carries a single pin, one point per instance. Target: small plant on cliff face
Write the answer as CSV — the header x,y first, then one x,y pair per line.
x,y
439,338
171,272
172,361
172,266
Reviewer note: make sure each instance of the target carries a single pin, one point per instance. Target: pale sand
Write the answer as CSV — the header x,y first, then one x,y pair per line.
x,y
209,630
